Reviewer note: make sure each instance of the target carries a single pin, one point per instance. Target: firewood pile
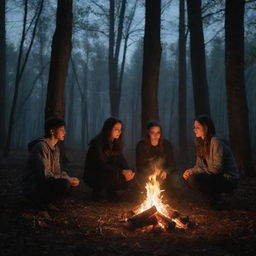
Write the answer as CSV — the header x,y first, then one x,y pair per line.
x,y
152,217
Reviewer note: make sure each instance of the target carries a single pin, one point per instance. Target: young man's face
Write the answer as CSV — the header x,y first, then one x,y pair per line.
x,y
59,133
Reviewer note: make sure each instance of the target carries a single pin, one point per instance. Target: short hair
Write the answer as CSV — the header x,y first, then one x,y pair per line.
x,y
52,123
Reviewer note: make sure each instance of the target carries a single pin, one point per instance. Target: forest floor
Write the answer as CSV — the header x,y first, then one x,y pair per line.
x,y
84,227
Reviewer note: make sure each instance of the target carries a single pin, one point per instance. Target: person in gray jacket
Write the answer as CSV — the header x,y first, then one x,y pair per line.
x,y
215,170
43,179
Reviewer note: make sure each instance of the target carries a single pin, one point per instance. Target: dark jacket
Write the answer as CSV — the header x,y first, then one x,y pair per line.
x,y
147,159
43,163
103,169
219,161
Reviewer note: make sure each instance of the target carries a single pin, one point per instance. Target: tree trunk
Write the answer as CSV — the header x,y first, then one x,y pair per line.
x,y
20,68
197,52
151,62
182,83
3,74
126,37
114,50
61,50
236,94
111,42
85,125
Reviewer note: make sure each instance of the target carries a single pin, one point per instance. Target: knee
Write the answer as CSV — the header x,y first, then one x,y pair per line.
x,y
192,181
63,185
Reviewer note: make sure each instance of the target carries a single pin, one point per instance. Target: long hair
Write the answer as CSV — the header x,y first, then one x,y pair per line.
x,y
147,145
203,145
109,147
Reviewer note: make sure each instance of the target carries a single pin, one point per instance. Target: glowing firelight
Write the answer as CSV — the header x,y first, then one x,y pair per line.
x,y
154,195
154,198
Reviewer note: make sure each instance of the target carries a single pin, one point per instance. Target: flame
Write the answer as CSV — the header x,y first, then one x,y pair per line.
x,y
155,198
154,195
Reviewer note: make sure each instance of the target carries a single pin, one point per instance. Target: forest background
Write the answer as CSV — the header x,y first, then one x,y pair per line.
x,y
106,74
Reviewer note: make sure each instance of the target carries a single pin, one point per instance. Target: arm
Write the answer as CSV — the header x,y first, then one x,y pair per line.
x,y
47,166
101,161
199,167
122,162
214,161
215,164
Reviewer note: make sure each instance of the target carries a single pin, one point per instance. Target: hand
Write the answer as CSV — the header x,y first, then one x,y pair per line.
x,y
74,181
187,173
128,174
163,175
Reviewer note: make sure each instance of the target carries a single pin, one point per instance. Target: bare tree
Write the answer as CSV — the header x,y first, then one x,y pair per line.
x,y
83,94
197,52
236,94
21,65
182,82
127,34
151,62
61,50
114,51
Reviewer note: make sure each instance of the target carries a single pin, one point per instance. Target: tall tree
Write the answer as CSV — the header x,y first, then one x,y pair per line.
x,y
182,82
83,94
61,51
151,62
21,65
114,51
3,73
197,52
236,94
127,33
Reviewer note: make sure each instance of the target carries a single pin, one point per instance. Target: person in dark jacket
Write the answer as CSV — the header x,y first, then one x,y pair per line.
x,y
105,166
43,180
154,152
215,170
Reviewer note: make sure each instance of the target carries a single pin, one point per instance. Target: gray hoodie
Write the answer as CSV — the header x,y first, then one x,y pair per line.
x,y
219,161
43,163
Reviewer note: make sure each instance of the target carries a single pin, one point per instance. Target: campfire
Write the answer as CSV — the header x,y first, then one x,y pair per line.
x,y
154,212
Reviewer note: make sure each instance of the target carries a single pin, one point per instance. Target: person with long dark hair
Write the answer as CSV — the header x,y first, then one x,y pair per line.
x,y
215,170
154,152
106,169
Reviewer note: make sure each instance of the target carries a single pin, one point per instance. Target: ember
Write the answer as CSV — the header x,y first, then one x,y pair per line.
x,y
154,212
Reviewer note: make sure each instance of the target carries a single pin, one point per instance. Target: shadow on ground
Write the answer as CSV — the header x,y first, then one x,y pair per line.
x,y
83,227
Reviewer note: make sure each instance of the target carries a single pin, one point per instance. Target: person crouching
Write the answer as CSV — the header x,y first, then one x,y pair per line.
x,y
44,181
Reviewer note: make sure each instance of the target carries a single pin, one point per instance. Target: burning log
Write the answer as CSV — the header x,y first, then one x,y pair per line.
x,y
168,223
181,220
144,219
175,215
166,217
152,220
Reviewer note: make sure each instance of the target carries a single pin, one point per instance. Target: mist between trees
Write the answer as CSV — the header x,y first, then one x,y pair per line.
x,y
105,70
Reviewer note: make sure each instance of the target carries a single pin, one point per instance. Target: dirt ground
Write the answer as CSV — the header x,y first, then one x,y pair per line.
x,y
82,227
